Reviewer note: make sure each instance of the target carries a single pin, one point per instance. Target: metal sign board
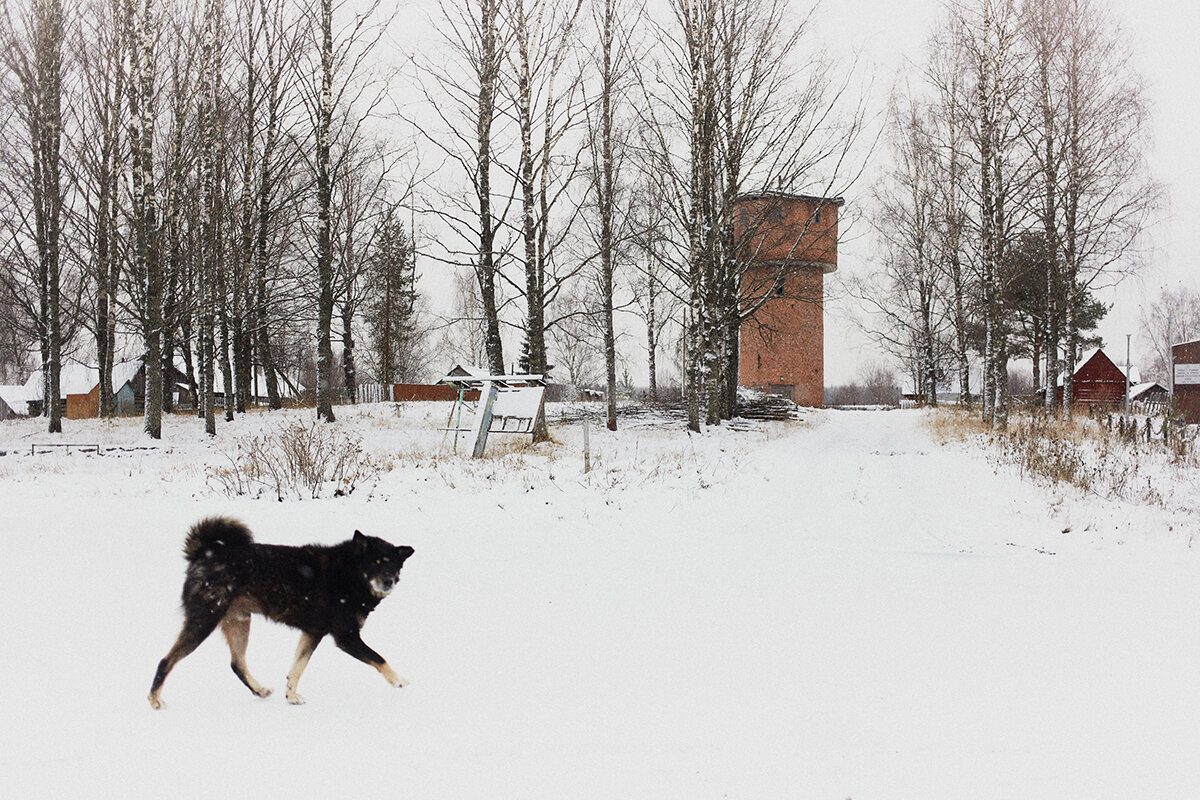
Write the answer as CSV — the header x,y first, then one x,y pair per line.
x,y
1187,374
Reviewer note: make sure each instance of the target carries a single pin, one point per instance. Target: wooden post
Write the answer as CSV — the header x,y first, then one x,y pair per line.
x,y
587,447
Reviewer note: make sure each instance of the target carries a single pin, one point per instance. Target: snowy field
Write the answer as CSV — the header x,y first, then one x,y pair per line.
x,y
841,607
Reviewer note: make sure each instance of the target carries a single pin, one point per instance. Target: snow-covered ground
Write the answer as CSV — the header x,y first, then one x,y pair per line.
x,y
843,607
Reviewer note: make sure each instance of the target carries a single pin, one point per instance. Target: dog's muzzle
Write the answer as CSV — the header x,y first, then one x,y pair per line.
x,y
382,587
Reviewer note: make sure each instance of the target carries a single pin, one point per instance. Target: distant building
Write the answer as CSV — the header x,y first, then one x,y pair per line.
x,y
13,402
79,389
791,243
1099,381
1149,397
1185,361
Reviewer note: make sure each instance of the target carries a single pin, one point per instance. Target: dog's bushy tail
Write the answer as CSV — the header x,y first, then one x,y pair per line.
x,y
215,533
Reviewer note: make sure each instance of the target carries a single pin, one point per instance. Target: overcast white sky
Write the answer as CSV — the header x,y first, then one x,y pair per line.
x,y
1166,34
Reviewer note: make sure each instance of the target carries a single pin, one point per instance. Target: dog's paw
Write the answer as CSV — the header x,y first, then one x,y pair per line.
x,y
390,676
295,699
263,691
156,702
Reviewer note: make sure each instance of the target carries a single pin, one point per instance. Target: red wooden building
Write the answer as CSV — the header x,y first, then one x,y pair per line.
x,y
790,242
1098,381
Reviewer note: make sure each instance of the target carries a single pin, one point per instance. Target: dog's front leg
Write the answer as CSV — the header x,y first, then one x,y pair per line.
x,y
352,643
304,651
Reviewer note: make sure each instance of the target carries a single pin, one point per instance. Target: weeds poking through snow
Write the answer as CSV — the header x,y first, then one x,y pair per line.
x,y
1118,460
296,461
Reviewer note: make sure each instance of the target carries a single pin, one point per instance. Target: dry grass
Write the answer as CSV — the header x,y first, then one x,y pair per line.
x,y
1080,452
296,460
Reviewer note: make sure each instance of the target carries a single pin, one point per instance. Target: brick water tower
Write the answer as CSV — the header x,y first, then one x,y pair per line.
x,y
790,244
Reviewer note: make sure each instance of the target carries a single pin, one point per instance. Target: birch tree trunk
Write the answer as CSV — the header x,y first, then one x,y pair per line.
x,y
209,244
606,201
148,267
324,232
485,264
46,140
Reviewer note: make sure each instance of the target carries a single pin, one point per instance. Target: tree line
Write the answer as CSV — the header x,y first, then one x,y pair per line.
x,y
237,187
197,182
1019,188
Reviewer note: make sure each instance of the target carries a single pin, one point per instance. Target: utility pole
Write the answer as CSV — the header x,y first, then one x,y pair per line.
x,y
1128,375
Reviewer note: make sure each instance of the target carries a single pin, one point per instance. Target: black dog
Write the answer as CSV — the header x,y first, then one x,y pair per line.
x,y
321,590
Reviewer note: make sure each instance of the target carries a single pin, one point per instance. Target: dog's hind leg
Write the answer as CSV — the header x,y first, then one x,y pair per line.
x,y
352,643
236,627
304,651
196,628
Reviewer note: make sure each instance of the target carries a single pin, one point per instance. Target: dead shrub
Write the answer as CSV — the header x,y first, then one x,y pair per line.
x,y
296,460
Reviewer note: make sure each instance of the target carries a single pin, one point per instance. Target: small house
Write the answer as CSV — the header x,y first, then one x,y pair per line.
x,y
79,390
1149,398
1099,381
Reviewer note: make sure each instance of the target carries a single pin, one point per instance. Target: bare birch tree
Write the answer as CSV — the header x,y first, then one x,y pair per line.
x,y
611,65
464,94
33,44
141,21
1108,195
542,83
907,298
99,44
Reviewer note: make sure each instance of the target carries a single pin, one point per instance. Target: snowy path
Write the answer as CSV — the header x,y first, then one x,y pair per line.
x,y
852,610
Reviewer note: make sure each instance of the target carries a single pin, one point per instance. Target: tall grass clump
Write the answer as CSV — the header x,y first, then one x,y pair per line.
x,y
1082,453
294,461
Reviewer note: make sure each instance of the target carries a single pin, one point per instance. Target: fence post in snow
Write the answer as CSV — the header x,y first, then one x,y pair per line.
x,y
587,448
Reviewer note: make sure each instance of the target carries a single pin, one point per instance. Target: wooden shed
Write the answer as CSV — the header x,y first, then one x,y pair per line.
x,y
1098,381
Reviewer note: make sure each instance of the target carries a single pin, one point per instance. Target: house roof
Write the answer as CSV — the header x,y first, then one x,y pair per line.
x,y
473,377
82,379
14,397
1146,388
1135,375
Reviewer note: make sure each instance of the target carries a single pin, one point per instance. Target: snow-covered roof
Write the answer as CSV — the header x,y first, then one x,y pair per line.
x,y
123,373
465,371
72,379
1134,376
82,379
14,397
1143,388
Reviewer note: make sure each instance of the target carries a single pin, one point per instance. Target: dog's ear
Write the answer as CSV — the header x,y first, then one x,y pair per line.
x,y
405,551
359,540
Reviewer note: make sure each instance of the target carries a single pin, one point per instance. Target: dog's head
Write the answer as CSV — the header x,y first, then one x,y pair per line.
x,y
379,562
